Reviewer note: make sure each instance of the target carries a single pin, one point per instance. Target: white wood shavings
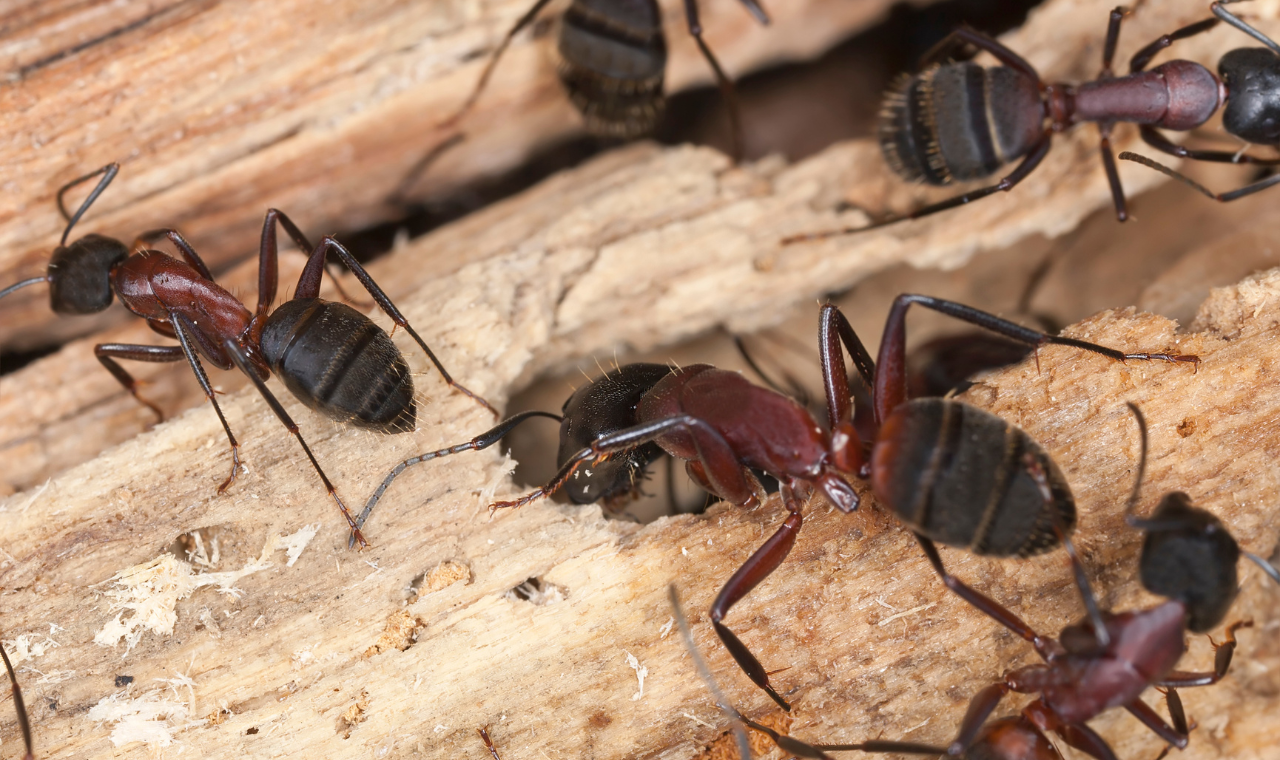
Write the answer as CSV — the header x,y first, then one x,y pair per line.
x,y
150,718
294,543
904,613
27,646
641,673
151,592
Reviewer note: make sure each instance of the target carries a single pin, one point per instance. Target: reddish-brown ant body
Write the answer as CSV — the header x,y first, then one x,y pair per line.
x,y
1188,557
332,357
960,121
948,470
1251,77
613,59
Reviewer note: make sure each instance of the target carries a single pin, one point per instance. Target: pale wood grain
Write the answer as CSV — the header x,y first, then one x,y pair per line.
x,y
219,110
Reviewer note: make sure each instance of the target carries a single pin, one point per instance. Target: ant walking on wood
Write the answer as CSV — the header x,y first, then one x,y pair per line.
x,y
959,121
949,471
330,356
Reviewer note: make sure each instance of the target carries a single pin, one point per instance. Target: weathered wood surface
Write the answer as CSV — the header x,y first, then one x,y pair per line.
x,y
219,110
309,659
700,236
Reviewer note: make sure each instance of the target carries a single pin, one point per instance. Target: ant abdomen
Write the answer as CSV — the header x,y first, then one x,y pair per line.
x,y
339,363
960,476
80,274
612,58
959,122
1252,113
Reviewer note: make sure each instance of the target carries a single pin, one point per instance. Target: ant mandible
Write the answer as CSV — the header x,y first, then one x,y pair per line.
x,y
960,121
1251,77
330,356
977,495
613,58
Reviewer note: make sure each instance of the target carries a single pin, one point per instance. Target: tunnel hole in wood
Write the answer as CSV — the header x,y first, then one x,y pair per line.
x,y
538,592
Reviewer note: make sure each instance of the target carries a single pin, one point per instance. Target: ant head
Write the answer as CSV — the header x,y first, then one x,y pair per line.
x,y
1252,110
80,274
1189,556
607,405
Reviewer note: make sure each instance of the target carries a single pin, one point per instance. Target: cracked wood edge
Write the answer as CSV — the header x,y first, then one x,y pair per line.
x,y
295,664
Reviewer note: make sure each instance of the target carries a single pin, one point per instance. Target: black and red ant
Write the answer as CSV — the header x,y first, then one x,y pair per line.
x,y
1188,557
960,121
330,356
1251,78
612,61
950,471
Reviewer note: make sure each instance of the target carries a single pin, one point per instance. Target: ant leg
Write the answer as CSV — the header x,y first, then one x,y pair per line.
x,y
1007,183
107,353
181,327
18,704
964,35
757,567
983,603
329,243
268,265
1233,195
1221,662
700,665
179,242
1153,137
1143,57
237,355
834,329
891,379
1113,176
1175,736
488,743
727,90
523,21
789,387
482,441
722,466
1037,473
108,173
1086,740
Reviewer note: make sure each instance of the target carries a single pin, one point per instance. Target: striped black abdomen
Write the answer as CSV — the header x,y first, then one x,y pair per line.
x,y
959,122
958,475
612,59
339,363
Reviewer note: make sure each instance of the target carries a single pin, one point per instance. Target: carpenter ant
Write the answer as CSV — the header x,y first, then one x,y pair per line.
x,y
1189,558
960,121
24,722
950,471
1251,78
613,56
330,356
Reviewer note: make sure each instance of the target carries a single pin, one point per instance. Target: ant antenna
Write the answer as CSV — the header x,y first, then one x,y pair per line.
x,y
1266,566
735,719
1239,24
23,722
108,173
23,284
1142,467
